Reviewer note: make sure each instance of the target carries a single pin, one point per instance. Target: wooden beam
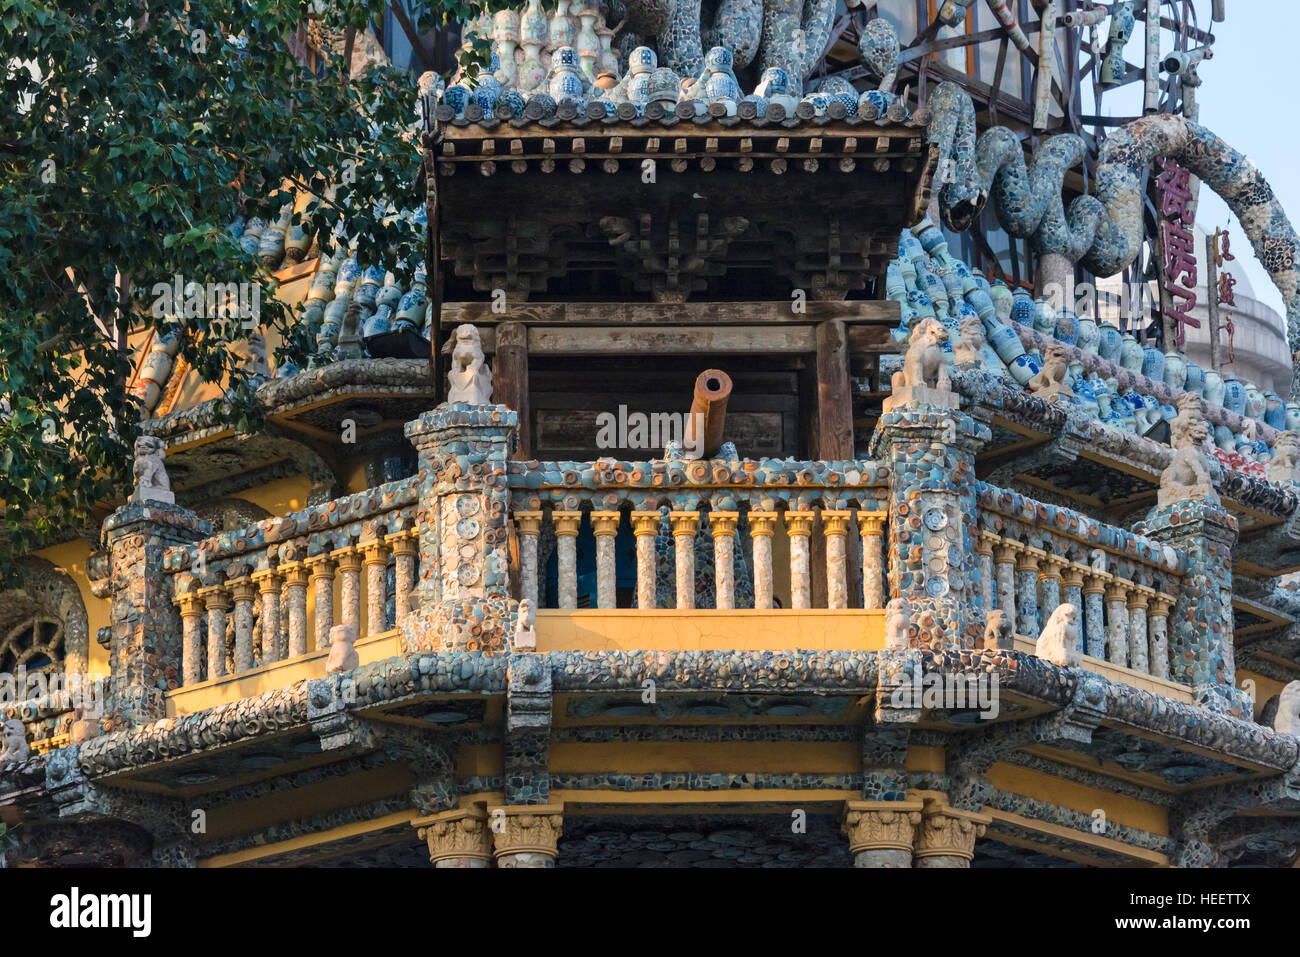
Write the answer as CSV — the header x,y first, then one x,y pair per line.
x,y
853,313
668,340
510,379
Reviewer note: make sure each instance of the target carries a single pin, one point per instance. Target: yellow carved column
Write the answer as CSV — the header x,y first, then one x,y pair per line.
x,y
566,555
529,527
946,836
217,600
645,526
881,833
526,835
835,526
871,526
605,525
685,525
798,526
984,549
457,838
723,526
376,559
762,525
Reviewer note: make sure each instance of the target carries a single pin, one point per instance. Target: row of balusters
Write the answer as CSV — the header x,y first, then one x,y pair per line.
x,y
281,631
799,527
1121,621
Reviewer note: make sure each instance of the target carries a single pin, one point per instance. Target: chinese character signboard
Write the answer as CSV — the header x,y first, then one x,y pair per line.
x,y
1179,248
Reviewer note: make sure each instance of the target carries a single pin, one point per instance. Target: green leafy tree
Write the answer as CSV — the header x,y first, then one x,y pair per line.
x,y
131,135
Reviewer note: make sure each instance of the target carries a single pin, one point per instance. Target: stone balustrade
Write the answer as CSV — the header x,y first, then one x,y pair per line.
x,y
1035,556
273,598
679,519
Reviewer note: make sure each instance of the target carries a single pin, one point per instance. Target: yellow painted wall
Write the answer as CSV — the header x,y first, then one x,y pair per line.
x,y
71,557
629,629
1078,797
1265,688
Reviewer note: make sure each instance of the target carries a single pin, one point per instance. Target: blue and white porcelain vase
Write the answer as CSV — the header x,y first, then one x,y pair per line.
x,y
1022,308
1274,411
1024,368
1175,371
1067,330
1234,394
1110,344
1002,298
1224,438
1293,416
1089,336
1256,405
1214,387
1131,355
1044,317
1153,364
1195,378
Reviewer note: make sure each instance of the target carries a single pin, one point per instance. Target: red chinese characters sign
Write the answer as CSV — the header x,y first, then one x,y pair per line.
x,y
1179,246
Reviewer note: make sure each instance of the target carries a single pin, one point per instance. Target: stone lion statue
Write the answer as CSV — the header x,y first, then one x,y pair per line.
x,y
999,631
151,482
1050,380
1287,719
968,350
924,364
898,622
1188,474
13,742
469,379
1285,466
1058,642
343,652
526,626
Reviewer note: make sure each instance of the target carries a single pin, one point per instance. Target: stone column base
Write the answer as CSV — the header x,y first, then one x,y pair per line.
x,y
526,835
881,832
457,838
946,837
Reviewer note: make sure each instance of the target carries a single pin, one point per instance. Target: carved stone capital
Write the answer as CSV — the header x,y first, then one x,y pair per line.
x,y
836,522
872,524
605,523
762,523
881,825
723,524
460,835
799,521
645,523
566,523
532,830
684,523
528,523
946,831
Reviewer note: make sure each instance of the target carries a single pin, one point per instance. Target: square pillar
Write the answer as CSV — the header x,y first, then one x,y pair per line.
x,y
145,652
462,600
933,531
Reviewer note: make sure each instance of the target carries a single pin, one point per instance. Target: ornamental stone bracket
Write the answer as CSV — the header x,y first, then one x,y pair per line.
x,y
457,838
946,836
527,738
526,835
881,833
328,709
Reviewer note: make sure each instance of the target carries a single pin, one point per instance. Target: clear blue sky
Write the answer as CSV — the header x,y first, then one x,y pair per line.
x,y
1247,96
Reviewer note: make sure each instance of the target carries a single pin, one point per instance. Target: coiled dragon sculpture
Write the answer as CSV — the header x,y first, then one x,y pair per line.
x,y
1103,231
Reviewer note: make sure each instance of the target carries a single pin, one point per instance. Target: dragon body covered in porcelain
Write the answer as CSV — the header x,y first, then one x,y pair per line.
x,y
1103,231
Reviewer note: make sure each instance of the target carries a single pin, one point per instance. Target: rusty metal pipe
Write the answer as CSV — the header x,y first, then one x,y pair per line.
x,y
708,413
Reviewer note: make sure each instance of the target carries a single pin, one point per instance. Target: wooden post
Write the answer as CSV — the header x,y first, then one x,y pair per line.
x,y
1212,298
510,378
834,429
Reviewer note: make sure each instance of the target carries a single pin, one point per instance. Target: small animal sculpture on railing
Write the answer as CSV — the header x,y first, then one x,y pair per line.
x,y
1285,466
999,631
1188,475
1050,381
469,380
924,363
343,652
968,350
13,742
1287,719
898,623
1058,642
151,482
526,626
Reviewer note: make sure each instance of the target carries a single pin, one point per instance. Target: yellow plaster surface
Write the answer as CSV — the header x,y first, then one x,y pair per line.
x,y
71,557
671,629
232,688
1078,797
